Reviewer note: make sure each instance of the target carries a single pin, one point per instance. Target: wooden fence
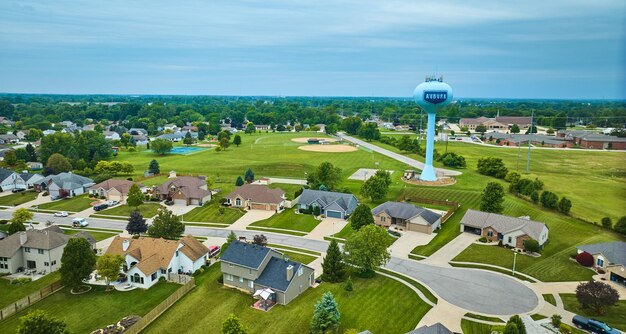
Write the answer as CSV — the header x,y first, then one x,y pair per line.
x,y
159,309
30,300
452,205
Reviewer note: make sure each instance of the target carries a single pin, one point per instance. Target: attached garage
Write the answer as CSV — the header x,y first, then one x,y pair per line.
x,y
471,229
334,214
258,206
178,201
614,277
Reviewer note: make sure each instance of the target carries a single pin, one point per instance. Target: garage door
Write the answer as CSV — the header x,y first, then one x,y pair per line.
x,y
471,230
115,197
257,206
333,214
180,202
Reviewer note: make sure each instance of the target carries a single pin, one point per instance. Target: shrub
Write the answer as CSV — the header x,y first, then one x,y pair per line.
x,y
45,193
3,221
565,329
585,259
220,279
531,245
221,210
316,210
549,200
500,243
556,320
162,279
606,222
482,239
21,280
348,285
492,166
223,200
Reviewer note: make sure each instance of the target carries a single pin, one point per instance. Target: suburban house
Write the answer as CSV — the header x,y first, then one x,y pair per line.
x,y
609,256
437,328
10,180
9,138
38,250
48,132
34,165
261,127
251,268
111,135
113,189
510,230
406,217
331,204
137,131
21,134
64,185
140,139
185,190
256,197
31,178
148,259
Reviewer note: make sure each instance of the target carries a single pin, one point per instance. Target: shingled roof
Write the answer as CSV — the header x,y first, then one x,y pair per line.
x,y
121,185
406,211
39,239
244,254
615,251
437,328
68,180
258,193
502,224
325,198
190,186
274,275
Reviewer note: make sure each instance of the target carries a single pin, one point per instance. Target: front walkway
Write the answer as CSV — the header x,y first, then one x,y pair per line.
x,y
447,314
453,248
41,199
326,228
250,217
409,240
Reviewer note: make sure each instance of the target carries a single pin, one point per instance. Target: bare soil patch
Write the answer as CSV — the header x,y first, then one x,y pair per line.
x,y
328,148
305,139
441,182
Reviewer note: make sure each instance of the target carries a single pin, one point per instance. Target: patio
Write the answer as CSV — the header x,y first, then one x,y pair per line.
x,y
32,274
267,299
119,285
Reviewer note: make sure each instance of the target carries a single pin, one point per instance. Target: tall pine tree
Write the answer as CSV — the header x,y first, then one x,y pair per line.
x,y
334,269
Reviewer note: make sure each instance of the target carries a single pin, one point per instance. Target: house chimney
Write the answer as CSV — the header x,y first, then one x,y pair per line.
x,y
23,238
125,245
289,272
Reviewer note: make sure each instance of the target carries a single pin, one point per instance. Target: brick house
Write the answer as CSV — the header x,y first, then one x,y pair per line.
x,y
510,230
609,256
185,190
257,197
406,217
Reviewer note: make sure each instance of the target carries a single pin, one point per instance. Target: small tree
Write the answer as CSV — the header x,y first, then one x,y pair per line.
x,y
237,140
317,211
135,196
519,324
348,286
77,262
259,239
549,200
209,182
534,196
326,316
367,249
606,222
620,226
250,128
154,167
510,328
515,128
531,245
59,163
161,146
108,266
555,320
565,205
224,143
375,187
232,325
584,259
249,176
22,215
361,216
39,322
492,198
481,129
492,166
231,237
15,227
596,295
239,181
333,268
166,225
136,223
188,140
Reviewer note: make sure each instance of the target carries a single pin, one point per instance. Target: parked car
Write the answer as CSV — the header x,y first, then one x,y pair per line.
x,y
593,326
17,190
79,222
112,203
100,207
459,138
61,214
214,251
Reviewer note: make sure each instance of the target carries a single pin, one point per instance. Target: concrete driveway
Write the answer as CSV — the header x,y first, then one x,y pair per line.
x,y
250,217
449,251
326,228
409,240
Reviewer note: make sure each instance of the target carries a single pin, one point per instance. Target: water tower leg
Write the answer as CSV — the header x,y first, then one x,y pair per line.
x,y
428,174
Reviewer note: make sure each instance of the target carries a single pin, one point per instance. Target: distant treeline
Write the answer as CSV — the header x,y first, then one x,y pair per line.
x,y
152,111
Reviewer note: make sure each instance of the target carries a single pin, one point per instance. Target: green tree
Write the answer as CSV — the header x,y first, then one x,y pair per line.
x,y
515,128
154,167
239,182
231,237
596,296
555,320
32,154
331,129
325,174
39,322
326,316
549,200
361,216
534,196
135,196
188,140
565,205
237,140
375,188
224,143
161,146
620,226
481,129
531,245
510,328
223,134
492,166
127,168
136,223
249,176
369,131
519,324
606,222
77,262
492,198
367,250
59,163
22,216
232,325
209,182
351,125
333,267
109,266
10,158
250,128
166,225
15,227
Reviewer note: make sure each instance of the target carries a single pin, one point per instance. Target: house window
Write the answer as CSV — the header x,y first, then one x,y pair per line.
x,y
250,271
163,271
229,277
153,276
176,253
490,233
238,202
510,239
382,219
600,262
40,251
54,262
251,284
27,249
300,271
136,278
3,259
4,266
46,264
240,279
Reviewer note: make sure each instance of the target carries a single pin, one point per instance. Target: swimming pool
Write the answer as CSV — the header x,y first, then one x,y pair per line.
x,y
185,150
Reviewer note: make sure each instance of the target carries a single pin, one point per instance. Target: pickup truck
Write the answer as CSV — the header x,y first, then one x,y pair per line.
x,y
593,326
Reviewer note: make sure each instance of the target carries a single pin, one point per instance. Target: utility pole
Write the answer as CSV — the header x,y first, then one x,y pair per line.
x,y
530,139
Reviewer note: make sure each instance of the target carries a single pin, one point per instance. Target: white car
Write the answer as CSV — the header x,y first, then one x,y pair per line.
x,y
61,214
112,203
79,222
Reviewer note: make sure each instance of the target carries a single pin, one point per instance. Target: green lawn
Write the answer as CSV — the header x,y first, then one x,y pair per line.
x,y
12,293
289,220
209,213
615,316
549,298
95,309
298,257
429,295
347,231
18,198
74,204
470,327
482,317
96,235
206,306
147,210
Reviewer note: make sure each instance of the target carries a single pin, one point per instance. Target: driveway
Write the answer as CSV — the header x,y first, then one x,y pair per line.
x,y
449,251
397,156
250,217
327,227
409,240
287,181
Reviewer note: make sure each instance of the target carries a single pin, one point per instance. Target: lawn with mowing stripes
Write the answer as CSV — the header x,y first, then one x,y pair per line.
x,y
360,309
96,308
297,257
614,316
482,317
429,295
18,198
294,249
12,293
289,220
147,210
211,213
74,204
347,231
549,298
96,235
471,327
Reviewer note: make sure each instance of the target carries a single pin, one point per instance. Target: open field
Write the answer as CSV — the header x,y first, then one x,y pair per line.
x,y
18,198
95,309
12,293
614,316
74,204
360,309
147,210
289,220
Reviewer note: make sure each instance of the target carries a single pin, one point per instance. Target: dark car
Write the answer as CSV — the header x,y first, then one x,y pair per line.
x,y
17,190
100,207
593,326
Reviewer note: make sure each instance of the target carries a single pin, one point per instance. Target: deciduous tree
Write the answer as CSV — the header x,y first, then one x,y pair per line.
x,y
259,239
620,226
135,196
188,140
549,200
39,322
59,163
232,325
77,262
326,174
136,223
565,205
515,128
166,225
108,266
492,166
369,131
596,295
361,216
161,146
367,250
492,198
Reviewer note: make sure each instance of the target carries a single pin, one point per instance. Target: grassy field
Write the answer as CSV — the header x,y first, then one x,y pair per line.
x,y
95,309
615,316
289,220
18,198
74,204
147,210
12,293
360,309
209,213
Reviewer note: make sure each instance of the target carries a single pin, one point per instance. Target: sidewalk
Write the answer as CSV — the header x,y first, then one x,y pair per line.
x,y
326,228
445,313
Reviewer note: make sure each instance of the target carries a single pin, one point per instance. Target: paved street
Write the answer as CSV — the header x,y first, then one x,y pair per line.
x,y
411,162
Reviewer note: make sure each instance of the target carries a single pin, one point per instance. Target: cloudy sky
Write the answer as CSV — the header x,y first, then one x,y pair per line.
x,y
499,49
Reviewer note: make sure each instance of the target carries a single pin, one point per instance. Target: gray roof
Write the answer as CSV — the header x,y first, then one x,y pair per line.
x,y
179,135
275,274
244,254
502,224
5,173
68,180
27,176
325,198
2,235
406,211
437,328
85,235
39,239
615,251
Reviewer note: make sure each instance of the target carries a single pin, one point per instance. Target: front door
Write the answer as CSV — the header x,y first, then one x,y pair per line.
x,y
31,264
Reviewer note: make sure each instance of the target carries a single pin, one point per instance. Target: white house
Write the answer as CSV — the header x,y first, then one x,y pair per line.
x,y
10,180
64,185
511,231
48,132
111,135
148,259
31,178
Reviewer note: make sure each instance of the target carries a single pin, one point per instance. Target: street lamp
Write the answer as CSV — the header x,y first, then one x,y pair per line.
x,y
514,258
